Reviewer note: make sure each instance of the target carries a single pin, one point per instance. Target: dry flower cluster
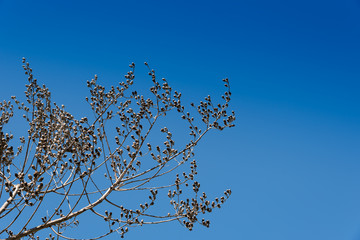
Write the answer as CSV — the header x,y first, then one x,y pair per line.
x,y
65,167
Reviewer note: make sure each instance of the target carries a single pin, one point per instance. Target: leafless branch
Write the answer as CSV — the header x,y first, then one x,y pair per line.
x,y
82,165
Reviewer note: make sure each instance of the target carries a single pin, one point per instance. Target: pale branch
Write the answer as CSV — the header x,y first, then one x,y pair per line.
x,y
65,158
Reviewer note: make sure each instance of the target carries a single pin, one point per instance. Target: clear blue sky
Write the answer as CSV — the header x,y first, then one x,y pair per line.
x,y
293,161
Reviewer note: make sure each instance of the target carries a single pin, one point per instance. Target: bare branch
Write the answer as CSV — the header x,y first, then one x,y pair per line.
x,y
79,166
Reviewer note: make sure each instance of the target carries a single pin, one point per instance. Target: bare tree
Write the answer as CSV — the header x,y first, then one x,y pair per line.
x,y
70,167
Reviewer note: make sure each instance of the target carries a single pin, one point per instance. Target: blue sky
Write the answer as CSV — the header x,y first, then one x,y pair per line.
x,y
293,160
